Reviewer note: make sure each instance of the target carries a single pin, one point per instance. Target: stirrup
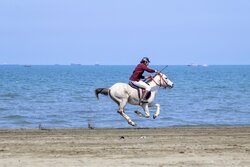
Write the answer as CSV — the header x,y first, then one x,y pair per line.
x,y
143,101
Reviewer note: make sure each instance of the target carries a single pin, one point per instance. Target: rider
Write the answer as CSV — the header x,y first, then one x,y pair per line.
x,y
137,76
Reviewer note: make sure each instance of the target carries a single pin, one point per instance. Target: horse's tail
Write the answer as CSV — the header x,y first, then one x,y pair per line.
x,y
104,91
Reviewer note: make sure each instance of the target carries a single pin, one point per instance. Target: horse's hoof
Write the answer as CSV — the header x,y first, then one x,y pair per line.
x,y
139,113
132,123
154,116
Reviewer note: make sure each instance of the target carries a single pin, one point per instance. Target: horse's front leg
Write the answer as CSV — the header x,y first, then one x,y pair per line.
x,y
157,113
146,111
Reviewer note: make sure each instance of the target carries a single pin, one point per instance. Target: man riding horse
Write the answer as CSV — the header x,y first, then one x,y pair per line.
x,y
138,75
123,93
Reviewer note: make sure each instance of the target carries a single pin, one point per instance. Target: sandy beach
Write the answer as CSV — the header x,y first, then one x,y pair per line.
x,y
184,146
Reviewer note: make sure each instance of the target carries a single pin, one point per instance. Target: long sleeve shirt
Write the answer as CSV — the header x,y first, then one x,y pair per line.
x,y
137,73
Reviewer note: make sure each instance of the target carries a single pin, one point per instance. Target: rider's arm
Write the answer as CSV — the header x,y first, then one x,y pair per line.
x,y
148,69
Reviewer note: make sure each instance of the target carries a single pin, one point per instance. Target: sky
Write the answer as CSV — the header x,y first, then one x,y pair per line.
x,y
121,32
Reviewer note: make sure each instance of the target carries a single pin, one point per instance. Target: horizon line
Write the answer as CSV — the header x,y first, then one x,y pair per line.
x,y
73,64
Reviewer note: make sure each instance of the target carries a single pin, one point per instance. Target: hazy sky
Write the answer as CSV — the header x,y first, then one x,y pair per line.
x,y
121,32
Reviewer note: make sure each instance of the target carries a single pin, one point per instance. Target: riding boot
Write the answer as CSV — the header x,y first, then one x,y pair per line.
x,y
144,96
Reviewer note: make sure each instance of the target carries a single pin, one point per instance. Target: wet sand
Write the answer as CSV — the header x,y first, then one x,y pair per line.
x,y
184,146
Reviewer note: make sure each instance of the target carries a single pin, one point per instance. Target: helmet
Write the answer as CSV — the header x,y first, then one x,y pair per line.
x,y
145,59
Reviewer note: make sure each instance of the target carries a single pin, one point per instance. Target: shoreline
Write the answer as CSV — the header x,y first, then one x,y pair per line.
x,y
131,127
171,146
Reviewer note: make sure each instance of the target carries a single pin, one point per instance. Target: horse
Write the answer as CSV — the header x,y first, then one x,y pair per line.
x,y
123,93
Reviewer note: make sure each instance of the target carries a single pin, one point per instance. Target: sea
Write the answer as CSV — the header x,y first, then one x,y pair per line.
x,y
62,96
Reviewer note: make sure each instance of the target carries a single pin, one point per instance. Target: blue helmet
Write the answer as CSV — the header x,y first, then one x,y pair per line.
x,y
145,59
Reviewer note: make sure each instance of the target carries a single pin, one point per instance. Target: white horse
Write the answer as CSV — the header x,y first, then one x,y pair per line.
x,y
123,93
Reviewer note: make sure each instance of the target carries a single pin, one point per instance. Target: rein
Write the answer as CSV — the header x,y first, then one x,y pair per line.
x,y
161,78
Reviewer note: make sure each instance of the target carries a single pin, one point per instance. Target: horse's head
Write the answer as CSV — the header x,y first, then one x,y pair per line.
x,y
161,80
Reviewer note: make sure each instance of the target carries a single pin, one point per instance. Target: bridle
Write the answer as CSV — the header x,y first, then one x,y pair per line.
x,y
161,79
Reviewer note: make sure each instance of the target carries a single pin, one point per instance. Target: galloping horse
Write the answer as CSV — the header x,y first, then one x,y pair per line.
x,y
123,93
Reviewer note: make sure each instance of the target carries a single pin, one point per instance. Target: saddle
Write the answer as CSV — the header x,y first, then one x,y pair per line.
x,y
140,91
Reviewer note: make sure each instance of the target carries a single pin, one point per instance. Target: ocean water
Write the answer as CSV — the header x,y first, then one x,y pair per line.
x,y
58,96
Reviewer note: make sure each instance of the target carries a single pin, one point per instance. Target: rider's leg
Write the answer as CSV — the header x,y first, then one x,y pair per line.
x,y
144,96
146,87
145,93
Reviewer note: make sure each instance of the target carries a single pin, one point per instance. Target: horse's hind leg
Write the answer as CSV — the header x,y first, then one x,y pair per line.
x,y
127,118
122,103
122,112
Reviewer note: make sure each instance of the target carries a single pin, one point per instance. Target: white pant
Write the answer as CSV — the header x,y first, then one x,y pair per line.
x,y
142,85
